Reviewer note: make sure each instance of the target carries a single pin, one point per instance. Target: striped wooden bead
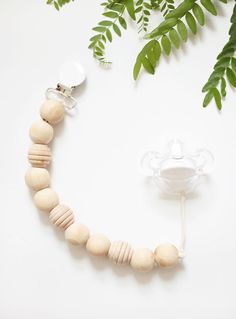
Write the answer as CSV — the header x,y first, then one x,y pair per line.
x,y
120,252
61,216
39,155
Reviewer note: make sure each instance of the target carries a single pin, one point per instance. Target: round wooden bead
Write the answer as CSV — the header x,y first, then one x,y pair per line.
x,y
120,252
52,111
98,245
41,132
77,234
39,155
46,199
61,216
37,178
166,255
142,259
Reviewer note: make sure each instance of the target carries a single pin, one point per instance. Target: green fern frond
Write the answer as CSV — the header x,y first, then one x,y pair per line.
x,y
224,70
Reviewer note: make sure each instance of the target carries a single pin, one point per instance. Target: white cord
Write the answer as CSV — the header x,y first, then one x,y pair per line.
x,y
183,225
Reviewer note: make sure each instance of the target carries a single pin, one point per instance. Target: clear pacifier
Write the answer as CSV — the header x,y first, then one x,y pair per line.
x,y
176,171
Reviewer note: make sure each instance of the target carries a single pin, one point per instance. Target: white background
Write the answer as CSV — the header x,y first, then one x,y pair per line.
x,y
96,170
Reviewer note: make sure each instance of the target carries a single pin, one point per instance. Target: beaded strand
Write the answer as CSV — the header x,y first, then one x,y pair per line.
x,y
47,200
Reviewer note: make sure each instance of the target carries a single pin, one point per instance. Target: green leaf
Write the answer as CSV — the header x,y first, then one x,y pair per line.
x,y
122,22
223,62
101,45
117,7
136,69
209,6
139,3
110,14
116,29
217,98
183,32
130,8
217,73
95,37
165,42
191,22
151,58
157,50
233,64
223,87
208,98
138,9
181,10
226,53
231,77
109,35
99,29
146,12
210,84
106,23
56,5
92,45
147,66
147,5
174,37
163,28
199,15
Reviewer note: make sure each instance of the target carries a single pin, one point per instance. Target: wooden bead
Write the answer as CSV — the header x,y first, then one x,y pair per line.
x,y
142,259
98,245
61,216
52,111
77,234
120,252
41,132
39,155
46,199
166,255
37,178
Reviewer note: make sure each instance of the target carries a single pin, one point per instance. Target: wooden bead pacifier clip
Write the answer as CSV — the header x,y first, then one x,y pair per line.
x,y
175,172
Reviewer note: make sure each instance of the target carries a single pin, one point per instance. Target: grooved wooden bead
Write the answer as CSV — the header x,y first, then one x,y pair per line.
x,y
120,252
39,155
61,216
46,199
77,234
98,245
52,111
37,178
142,259
166,255
41,132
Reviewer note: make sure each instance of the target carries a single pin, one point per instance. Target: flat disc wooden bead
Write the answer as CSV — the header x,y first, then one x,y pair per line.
x,y
98,245
37,178
120,252
39,155
142,259
41,132
52,111
77,234
46,199
166,255
61,216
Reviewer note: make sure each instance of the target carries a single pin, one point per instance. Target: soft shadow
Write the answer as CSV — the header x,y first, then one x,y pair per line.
x,y
167,274
59,233
76,252
43,216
